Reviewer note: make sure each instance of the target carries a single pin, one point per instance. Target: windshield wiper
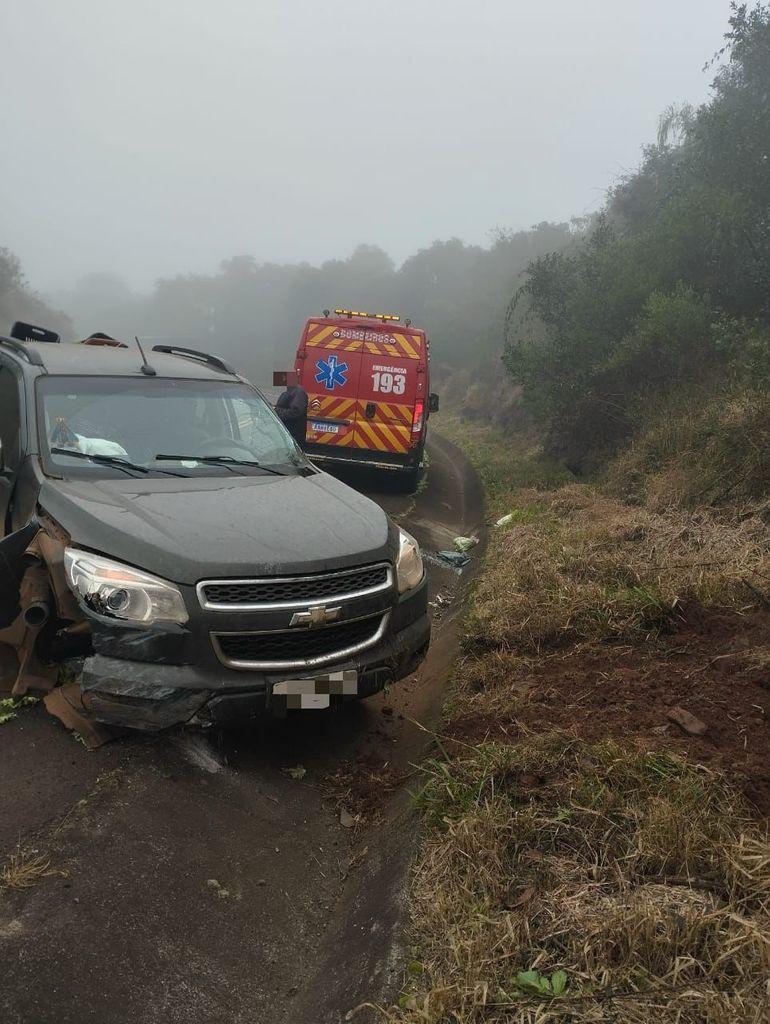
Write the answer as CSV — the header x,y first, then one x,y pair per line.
x,y
112,460
227,461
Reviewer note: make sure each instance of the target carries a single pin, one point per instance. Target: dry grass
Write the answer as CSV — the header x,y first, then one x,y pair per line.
x,y
634,873
638,874
700,451
502,465
24,868
587,567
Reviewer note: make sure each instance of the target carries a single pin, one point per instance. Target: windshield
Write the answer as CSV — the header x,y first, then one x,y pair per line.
x,y
157,426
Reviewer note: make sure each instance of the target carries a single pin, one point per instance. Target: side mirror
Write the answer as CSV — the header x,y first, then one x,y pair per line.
x,y
432,402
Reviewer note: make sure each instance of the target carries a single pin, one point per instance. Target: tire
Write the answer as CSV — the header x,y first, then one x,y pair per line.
x,y
410,479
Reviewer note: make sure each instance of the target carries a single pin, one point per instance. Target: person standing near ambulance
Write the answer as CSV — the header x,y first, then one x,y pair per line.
x,y
291,409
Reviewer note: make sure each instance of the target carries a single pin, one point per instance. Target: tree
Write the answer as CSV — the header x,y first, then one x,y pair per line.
x,y
681,249
18,302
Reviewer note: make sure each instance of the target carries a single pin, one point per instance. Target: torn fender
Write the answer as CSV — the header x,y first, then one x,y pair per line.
x,y
23,582
33,594
13,551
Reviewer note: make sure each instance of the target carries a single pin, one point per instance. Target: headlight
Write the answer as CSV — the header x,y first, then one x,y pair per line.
x,y
120,592
409,569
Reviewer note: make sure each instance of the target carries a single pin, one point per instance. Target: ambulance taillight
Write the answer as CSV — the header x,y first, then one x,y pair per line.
x,y
419,409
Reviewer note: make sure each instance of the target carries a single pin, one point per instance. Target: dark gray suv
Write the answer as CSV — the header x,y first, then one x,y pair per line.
x,y
165,536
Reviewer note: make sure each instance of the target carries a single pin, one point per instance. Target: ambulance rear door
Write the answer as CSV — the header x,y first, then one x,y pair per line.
x,y
330,373
392,382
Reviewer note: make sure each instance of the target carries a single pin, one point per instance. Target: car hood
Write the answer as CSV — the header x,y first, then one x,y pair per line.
x,y
196,528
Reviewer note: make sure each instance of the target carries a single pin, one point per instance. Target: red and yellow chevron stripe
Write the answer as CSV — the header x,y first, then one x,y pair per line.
x,y
318,333
387,412
341,440
322,336
389,430
334,408
331,407
381,437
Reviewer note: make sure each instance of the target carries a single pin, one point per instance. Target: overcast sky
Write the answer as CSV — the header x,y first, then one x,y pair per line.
x,y
151,137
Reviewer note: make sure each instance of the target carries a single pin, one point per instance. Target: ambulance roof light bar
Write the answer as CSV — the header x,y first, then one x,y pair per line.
x,y
372,316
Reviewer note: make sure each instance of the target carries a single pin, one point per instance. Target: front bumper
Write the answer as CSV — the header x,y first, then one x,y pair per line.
x,y
151,691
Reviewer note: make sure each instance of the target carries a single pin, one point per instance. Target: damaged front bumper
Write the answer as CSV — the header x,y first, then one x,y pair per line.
x,y
123,693
153,677
145,696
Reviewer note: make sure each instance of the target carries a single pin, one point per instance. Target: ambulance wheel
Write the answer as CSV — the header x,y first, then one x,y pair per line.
x,y
410,479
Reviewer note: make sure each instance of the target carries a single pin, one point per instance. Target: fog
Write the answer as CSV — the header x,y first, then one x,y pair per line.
x,y
150,139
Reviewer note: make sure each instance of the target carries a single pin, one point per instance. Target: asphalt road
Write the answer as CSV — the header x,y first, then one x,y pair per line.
x,y
249,877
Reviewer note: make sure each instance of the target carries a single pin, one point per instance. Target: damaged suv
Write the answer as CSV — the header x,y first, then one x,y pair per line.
x,y
165,539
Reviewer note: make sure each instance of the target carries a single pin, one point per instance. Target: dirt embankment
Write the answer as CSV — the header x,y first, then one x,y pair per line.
x,y
710,664
597,820
614,621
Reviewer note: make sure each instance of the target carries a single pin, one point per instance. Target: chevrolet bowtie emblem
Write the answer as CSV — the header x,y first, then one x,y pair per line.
x,y
316,615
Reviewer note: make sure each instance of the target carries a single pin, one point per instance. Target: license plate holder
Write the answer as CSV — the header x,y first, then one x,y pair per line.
x,y
315,693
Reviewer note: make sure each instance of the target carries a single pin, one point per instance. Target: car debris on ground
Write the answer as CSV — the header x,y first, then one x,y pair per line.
x,y
454,560
438,604
457,559
464,544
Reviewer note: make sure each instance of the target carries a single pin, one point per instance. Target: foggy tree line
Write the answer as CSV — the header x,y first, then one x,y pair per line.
x,y
19,302
253,312
668,297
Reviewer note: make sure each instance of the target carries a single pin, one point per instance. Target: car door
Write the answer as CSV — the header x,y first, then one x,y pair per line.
x,y
12,545
10,439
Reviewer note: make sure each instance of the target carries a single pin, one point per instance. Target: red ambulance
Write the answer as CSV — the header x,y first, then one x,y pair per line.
x,y
367,377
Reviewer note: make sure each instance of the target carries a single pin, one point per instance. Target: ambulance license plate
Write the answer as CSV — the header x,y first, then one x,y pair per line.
x,y
326,428
317,692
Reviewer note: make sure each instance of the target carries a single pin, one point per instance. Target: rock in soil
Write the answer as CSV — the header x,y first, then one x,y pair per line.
x,y
691,725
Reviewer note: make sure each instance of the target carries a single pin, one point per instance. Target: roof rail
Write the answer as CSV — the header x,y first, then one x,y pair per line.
x,y
191,353
31,332
30,354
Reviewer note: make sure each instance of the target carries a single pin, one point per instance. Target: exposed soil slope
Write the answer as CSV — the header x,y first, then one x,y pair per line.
x,y
707,665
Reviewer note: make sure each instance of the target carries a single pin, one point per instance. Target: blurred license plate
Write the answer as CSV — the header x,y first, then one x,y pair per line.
x,y
318,692
326,428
